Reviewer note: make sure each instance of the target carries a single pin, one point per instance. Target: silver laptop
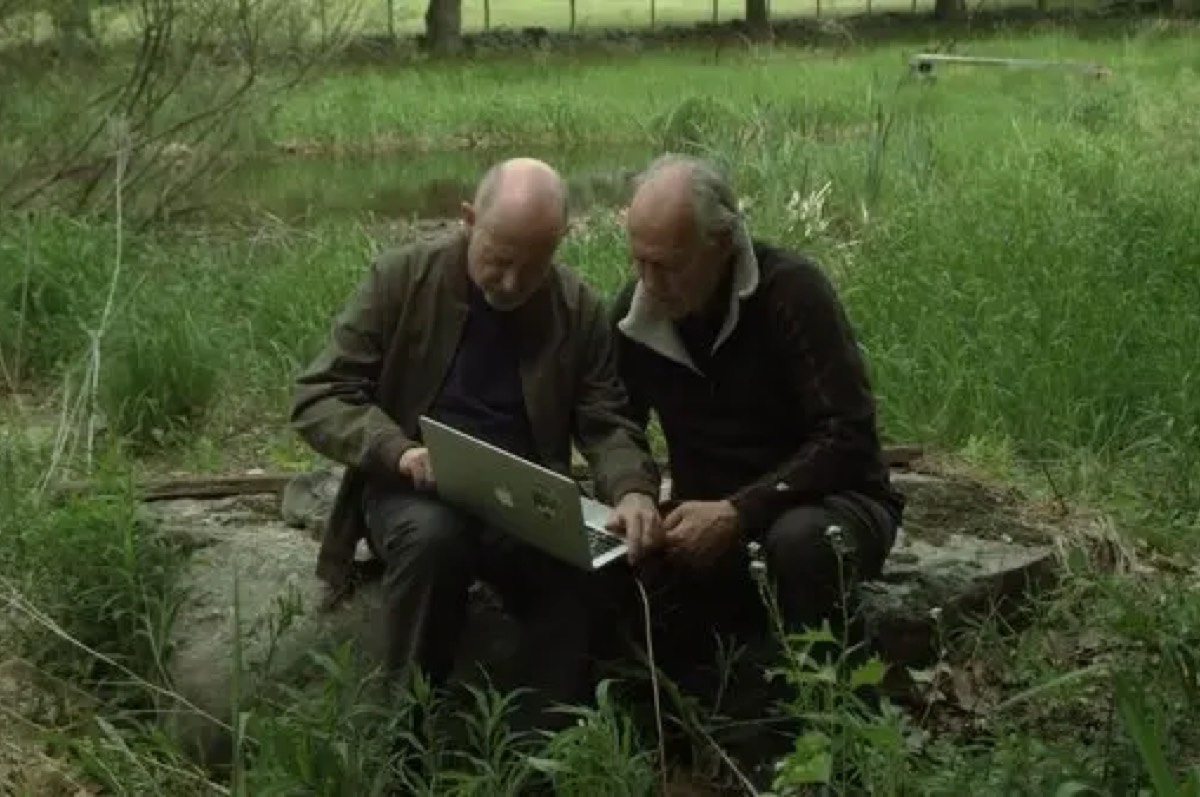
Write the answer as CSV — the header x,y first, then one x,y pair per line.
x,y
545,509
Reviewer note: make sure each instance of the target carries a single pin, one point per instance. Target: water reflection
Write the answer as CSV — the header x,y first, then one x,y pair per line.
x,y
410,185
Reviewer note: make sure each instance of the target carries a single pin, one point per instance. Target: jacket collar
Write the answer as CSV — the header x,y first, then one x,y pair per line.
x,y
642,325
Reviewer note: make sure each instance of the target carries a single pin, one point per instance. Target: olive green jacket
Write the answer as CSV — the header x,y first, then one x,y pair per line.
x,y
391,346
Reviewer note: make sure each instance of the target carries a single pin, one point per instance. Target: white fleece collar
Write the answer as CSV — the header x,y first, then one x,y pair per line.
x,y
642,325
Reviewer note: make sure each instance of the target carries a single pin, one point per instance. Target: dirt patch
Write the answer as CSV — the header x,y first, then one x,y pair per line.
x,y
939,505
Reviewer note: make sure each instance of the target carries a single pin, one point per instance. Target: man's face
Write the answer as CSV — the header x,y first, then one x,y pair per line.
x,y
679,270
508,266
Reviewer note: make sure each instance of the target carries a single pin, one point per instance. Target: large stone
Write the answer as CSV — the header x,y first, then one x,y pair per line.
x,y
245,563
965,547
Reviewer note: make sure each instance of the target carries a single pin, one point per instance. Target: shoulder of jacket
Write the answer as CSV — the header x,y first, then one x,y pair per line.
x,y
575,291
789,275
411,263
623,299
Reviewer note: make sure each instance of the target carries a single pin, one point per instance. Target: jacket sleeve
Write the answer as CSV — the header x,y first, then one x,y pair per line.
x,y
828,379
334,408
608,435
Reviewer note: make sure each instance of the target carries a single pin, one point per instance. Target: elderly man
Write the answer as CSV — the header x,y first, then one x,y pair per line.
x,y
745,354
481,330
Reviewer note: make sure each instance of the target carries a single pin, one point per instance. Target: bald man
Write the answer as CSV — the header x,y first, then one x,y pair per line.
x,y
745,354
484,331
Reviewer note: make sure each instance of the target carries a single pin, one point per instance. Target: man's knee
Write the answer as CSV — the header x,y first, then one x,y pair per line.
x,y
800,540
420,530
824,541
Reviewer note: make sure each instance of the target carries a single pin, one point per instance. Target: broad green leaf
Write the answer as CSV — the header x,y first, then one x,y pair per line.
x,y
870,673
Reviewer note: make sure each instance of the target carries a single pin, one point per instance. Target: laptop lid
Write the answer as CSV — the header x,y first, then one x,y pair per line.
x,y
523,498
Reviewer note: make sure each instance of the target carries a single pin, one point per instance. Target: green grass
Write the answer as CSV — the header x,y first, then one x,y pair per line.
x,y
1018,251
552,100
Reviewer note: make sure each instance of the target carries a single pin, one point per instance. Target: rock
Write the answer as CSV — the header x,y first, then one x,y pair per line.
x,y
308,499
244,556
964,547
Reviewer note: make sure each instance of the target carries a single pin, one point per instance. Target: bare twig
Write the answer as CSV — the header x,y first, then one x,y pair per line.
x,y
122,153
658,715
174,39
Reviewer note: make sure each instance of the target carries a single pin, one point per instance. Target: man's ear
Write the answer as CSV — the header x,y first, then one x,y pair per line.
x,y
468,215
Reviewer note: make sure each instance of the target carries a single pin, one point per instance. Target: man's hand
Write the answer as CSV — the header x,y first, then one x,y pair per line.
x,y
636,518
414,464
701,530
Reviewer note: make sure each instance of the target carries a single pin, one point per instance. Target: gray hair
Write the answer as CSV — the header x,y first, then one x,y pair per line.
x,y
714,202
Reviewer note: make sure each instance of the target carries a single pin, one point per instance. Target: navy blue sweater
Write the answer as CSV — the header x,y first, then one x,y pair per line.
x,y
482,394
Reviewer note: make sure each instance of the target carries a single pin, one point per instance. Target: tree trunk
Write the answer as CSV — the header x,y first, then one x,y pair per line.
x,y
758,19
948,9
443,27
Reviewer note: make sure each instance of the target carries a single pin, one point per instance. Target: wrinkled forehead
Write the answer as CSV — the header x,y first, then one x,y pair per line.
x,y
663,240
517,245
661,223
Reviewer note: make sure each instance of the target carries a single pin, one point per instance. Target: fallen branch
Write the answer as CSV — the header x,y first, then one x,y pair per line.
x,y
212,487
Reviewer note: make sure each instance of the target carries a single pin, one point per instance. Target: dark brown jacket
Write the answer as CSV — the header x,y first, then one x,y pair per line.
x,y
359,402
781,413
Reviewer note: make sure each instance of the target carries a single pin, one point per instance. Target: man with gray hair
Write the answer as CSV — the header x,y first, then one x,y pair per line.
x,y
744,352
482,330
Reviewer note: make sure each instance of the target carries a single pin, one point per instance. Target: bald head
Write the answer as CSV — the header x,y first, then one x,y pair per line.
x,y
514,225
683,223
521,191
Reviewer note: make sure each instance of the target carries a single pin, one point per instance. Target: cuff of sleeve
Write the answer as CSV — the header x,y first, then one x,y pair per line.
x,y
757,507
635,484
388,450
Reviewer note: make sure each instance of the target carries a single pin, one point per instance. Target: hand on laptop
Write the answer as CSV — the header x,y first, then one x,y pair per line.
x,y
636,518
414,464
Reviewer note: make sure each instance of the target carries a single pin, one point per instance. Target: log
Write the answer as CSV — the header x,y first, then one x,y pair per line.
x,y
212,487
194,487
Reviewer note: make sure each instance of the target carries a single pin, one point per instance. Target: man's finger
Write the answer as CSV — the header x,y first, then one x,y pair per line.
x,y
633,538
651,528
677,537
633,528
673,518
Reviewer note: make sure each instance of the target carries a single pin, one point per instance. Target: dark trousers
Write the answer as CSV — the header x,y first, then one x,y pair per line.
x,y
432,553
812,574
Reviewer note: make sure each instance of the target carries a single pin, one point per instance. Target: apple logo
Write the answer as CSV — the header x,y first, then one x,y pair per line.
x,y
504,496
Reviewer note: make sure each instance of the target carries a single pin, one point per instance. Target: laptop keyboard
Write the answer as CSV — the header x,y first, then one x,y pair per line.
x,y
602,542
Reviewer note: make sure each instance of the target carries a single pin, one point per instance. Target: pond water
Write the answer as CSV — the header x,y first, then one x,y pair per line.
x,y
426,185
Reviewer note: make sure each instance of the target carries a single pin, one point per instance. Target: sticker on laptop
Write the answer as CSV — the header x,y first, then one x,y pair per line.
x,y
545,505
